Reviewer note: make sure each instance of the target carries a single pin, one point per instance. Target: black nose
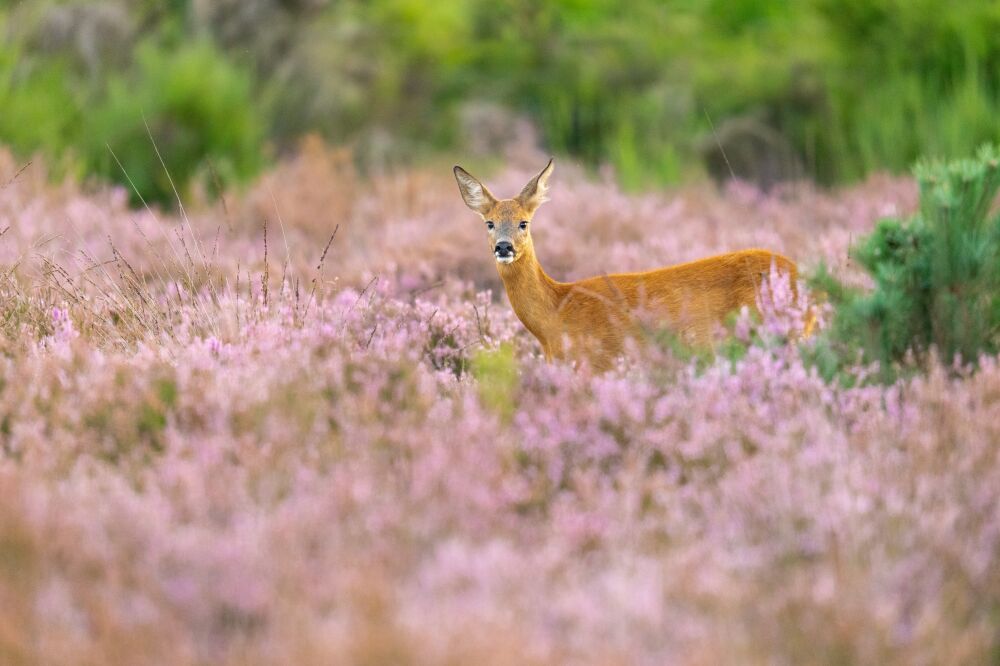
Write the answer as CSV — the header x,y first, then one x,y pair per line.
x,y
503,249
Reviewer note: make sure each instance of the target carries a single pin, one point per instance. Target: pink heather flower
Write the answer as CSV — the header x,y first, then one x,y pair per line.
x,y
336,486
783,308
62,325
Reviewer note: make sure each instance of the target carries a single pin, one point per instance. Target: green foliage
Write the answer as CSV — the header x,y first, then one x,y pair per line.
x,y
193,104
198,105
830,89
650,90
495,372
937,275
39,106
907,79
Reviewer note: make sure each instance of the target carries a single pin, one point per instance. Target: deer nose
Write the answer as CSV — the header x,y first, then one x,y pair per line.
x,y
504,249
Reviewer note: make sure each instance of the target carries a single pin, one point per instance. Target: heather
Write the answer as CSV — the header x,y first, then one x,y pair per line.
x,y
225,438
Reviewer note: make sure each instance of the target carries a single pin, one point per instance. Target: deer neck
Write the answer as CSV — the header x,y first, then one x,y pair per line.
x,y
533,294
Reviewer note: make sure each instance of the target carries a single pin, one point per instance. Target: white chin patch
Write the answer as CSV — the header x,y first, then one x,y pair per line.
x,y
505,260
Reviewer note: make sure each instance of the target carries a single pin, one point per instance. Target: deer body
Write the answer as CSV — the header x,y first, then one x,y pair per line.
x,y
591,318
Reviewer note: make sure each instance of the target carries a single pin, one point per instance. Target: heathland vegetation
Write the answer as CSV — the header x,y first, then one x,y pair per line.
x,y
262,399
225,440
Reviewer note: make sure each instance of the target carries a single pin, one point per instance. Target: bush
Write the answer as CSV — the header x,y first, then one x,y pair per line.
x,y
200,114
38,105
937,275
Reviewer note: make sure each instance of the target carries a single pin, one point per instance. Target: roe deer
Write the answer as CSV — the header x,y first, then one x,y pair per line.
x,y
596,314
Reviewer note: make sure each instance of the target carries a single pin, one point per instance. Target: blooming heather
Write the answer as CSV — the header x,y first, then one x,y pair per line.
x,y
206,457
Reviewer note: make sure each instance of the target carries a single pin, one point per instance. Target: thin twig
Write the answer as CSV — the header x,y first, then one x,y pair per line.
x,y
479,325
319,272
424,290
719,144
15,176
266,276
219,191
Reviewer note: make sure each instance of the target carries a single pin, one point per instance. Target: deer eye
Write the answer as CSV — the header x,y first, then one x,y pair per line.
x,y
489,225
523,225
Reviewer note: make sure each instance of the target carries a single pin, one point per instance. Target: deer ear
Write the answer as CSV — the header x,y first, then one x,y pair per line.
x,y
533,194
475,194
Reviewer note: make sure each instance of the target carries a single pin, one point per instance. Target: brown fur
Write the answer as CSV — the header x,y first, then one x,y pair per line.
x,y
590,319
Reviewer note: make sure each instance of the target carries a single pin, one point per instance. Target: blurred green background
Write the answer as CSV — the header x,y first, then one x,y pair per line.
x,y
823,89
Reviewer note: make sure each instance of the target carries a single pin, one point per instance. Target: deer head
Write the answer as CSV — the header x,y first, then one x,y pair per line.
x,y
508,221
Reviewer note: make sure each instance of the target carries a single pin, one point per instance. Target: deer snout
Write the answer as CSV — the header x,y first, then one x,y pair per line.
x,y
504,250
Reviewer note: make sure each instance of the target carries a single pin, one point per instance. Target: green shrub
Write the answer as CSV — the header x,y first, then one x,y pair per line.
x,y
937,275
39,106
193,103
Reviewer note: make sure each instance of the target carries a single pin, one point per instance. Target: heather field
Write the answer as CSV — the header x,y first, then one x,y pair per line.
x,y
229,435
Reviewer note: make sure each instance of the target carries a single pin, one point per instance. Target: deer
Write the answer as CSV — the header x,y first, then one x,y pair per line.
x,y
589,320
